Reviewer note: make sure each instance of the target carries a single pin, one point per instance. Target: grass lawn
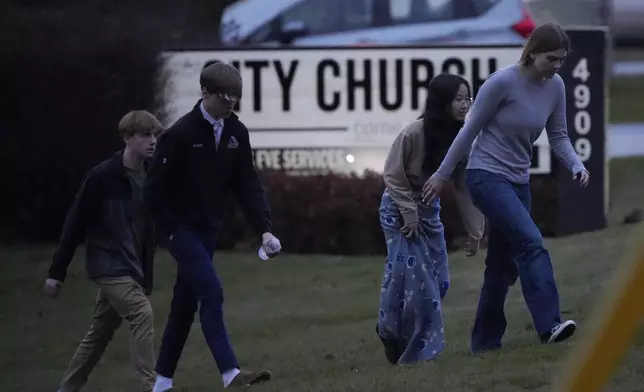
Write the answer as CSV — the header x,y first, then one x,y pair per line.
x,y
310,319
628,54
625,92
625,100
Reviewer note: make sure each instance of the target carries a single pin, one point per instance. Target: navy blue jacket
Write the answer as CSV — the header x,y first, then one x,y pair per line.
x,y
189,179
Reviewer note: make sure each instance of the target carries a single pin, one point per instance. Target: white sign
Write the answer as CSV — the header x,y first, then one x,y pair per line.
x,y
335,160
334,97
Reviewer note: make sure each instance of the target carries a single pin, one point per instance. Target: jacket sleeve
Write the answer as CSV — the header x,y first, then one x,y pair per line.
x,y
75,226
148,257
395,178
248,189
157,190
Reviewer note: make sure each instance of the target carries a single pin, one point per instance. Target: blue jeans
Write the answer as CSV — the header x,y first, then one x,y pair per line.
x,y
515,250
196,282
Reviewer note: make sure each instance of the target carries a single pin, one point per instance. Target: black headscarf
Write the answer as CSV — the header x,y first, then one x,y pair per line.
x,y
439,126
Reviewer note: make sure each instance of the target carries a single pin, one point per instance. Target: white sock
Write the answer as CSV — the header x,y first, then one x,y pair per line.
x,y
162,384
229,376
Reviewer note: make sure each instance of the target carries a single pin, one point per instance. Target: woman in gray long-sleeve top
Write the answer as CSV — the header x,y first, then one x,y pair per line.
x,y
508,115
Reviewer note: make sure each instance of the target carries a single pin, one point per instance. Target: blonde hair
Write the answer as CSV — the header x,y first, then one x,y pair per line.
x,y
138,121
547,37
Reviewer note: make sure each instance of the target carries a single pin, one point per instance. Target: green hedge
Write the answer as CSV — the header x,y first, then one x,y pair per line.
x,y
339,215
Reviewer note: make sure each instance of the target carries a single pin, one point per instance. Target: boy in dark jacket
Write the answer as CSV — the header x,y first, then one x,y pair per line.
x,y
200,159
110,215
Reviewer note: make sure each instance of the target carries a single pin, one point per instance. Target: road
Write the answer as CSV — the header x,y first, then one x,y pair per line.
x,y
625,140
628,68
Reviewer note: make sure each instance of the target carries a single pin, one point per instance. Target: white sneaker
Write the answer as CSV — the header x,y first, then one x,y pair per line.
x,y
162,384
560,332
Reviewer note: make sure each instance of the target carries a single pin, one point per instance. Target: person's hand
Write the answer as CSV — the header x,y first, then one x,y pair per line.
x,y
471,247
443,288
271,244
583,177
410,230
432,188
52,287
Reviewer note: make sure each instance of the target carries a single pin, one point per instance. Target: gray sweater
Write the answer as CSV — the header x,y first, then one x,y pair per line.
x,y
507,117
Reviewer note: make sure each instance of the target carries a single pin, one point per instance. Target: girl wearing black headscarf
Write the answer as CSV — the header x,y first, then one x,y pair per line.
x,y
416,276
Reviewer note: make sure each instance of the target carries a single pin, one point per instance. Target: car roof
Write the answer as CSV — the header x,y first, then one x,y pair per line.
x,y
248,15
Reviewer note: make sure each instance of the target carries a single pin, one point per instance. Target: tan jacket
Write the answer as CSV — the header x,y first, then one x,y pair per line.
x,y
403,176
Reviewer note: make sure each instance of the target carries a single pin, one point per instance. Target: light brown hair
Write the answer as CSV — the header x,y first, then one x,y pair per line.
x,y
138,121
221,78
547,37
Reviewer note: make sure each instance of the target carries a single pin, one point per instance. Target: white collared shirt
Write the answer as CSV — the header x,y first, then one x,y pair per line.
x,y
217,124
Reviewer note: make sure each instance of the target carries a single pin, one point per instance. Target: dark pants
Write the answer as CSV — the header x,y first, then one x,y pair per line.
x,y
197,283
515,249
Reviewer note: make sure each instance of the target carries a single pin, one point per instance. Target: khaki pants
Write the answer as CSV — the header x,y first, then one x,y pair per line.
x,y
118,299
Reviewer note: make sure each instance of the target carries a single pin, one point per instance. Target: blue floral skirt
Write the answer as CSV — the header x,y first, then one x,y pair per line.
x,y
416,279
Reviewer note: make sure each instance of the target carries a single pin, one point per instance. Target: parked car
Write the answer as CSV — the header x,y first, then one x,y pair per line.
x,y
359,22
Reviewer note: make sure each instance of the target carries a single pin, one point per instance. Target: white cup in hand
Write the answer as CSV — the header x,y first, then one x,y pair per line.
x,y
52,287
270,249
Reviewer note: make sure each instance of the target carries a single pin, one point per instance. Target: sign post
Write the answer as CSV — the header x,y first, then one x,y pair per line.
x,y
585,75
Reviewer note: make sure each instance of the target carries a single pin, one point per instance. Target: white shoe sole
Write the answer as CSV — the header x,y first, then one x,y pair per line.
x,y
564,331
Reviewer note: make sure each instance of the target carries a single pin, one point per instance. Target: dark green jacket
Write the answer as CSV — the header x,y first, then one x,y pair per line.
x,y
103,214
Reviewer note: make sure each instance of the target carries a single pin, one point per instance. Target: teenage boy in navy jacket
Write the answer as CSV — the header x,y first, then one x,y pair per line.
x,y
199,160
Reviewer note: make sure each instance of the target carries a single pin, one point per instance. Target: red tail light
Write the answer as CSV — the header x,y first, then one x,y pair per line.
x,y
525,26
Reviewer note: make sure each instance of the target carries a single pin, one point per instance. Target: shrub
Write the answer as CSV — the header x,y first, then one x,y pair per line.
x,y
336,214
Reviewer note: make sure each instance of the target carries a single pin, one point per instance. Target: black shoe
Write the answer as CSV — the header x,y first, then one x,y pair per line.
x,y
392,352
485,350
246,378
559,332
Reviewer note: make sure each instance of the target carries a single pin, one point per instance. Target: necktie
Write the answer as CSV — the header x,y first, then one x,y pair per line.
x,y
217,128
